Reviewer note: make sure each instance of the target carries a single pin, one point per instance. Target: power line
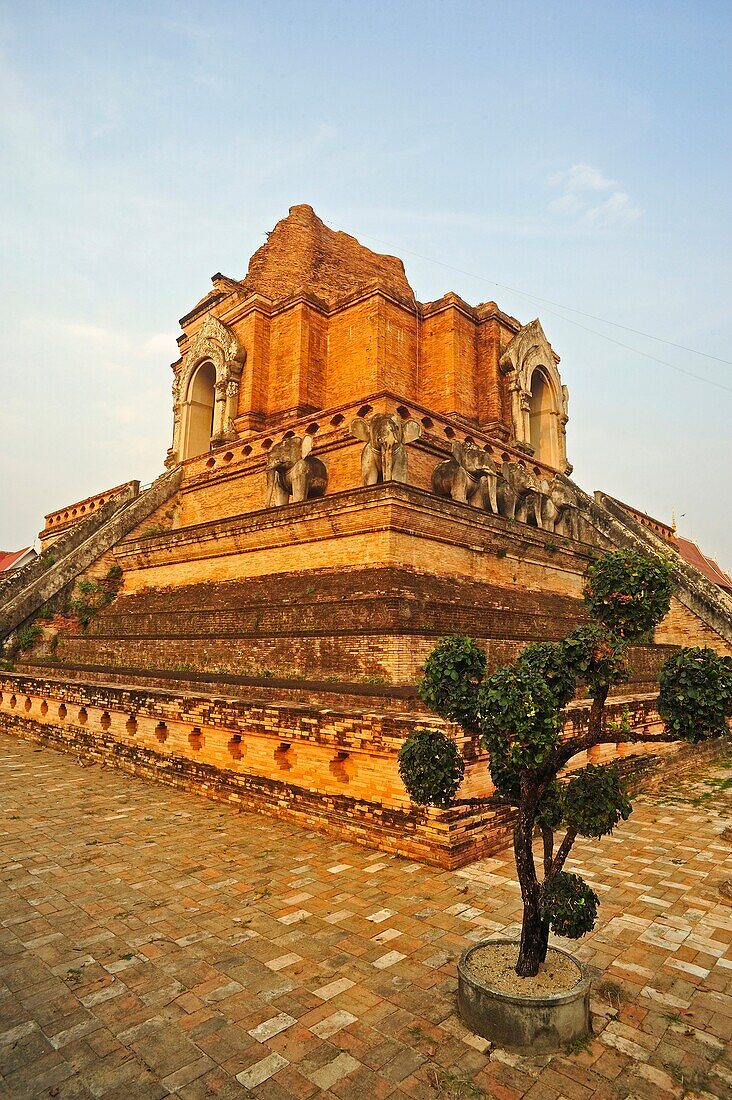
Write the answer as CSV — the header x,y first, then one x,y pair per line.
x,y
645,354
571,321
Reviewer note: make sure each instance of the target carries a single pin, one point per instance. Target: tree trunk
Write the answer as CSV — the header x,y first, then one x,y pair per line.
x,y
534,931
564,849
547,837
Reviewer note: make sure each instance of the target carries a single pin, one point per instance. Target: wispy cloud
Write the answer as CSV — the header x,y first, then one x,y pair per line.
x,y
592,198
129,344
82,331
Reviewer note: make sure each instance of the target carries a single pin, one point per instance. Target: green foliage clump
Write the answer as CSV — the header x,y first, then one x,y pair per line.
x,y
696,693
431,767
629,592
595,800
551,807
596,657
452,674
568,905
28,637
549,661
92,596
506,778
518,716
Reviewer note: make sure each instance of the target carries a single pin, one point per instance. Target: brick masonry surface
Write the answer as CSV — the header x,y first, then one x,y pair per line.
x,y
328,769
153,943
371,622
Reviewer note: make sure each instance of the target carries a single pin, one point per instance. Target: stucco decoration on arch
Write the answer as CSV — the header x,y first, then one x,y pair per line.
x,y
214,343
528,352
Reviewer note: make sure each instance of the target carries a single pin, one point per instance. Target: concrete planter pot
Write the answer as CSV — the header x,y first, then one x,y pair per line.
x,y
527,1025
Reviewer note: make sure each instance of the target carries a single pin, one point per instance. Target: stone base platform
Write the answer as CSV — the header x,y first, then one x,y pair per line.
x,y
371,625
329,768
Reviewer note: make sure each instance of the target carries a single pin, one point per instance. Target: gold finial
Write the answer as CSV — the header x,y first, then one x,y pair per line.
x,y
673,520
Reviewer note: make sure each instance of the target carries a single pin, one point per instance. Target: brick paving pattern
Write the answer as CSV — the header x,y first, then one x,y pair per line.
x,y
154,944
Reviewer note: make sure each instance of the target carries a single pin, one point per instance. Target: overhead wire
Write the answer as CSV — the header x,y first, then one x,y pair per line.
x,y
577,324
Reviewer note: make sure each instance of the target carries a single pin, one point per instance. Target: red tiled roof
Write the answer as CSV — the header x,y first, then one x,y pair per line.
x,y
690,552
9,557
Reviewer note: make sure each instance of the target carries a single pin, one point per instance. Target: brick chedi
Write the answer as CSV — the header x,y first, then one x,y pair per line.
x,y
353,474
303,256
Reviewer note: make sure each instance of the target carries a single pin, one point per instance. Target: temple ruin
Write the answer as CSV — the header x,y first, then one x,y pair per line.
x,y
353,474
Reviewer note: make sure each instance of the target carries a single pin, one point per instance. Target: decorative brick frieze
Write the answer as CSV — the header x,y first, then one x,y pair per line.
x,y
330,769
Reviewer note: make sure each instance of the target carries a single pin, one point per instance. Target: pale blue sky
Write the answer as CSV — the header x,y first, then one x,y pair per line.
x,y
580,152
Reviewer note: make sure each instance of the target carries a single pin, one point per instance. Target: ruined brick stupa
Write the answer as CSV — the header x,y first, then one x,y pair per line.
x,y
353,474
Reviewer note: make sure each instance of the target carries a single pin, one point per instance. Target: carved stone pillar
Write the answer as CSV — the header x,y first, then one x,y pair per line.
x,y
219,414
173,455
232,403
563,418
525,407
515,391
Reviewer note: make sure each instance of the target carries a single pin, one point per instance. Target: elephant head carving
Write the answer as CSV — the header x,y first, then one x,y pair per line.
x,y
293,474
470,476
384,457
560,508
521,494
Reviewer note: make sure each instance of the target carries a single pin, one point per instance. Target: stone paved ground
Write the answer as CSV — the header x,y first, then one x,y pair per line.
x,y
154,943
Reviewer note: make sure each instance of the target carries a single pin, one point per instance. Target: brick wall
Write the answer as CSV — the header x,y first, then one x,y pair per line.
x,y
356,625
332,771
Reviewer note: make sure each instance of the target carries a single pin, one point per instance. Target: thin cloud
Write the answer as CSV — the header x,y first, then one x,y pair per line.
x,y
618,209
159,345
86,332
591,198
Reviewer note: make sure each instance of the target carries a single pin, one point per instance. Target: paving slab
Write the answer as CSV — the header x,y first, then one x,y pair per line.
x,y
153,943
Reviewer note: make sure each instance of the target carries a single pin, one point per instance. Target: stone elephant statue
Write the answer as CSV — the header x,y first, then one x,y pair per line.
x,y
470,476
520,494
293,474
384,458
560,509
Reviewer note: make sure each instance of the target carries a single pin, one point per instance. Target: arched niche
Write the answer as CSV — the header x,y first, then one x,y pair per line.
x,y
198,410
198,425
543,419
538,399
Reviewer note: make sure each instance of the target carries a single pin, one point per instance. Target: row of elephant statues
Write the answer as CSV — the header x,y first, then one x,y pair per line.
x,y
471,476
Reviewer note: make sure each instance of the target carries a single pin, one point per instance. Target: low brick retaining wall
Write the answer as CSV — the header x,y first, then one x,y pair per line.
x,y
331,770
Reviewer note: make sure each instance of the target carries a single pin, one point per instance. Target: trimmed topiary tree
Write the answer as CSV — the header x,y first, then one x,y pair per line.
x,y
518,714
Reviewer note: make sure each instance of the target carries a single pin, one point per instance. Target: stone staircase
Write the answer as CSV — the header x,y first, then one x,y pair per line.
x,y
711,603
27,590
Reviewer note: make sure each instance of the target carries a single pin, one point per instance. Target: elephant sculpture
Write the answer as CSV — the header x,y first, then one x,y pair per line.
x,y
560,509
384,458
521,494
293,474
470,476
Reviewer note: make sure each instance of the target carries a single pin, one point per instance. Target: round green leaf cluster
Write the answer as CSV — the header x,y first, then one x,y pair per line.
x,y
452,673
551,807
549,660
518,717
506,778
629,592
431,767
695,700
568,905
596,657
595,800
